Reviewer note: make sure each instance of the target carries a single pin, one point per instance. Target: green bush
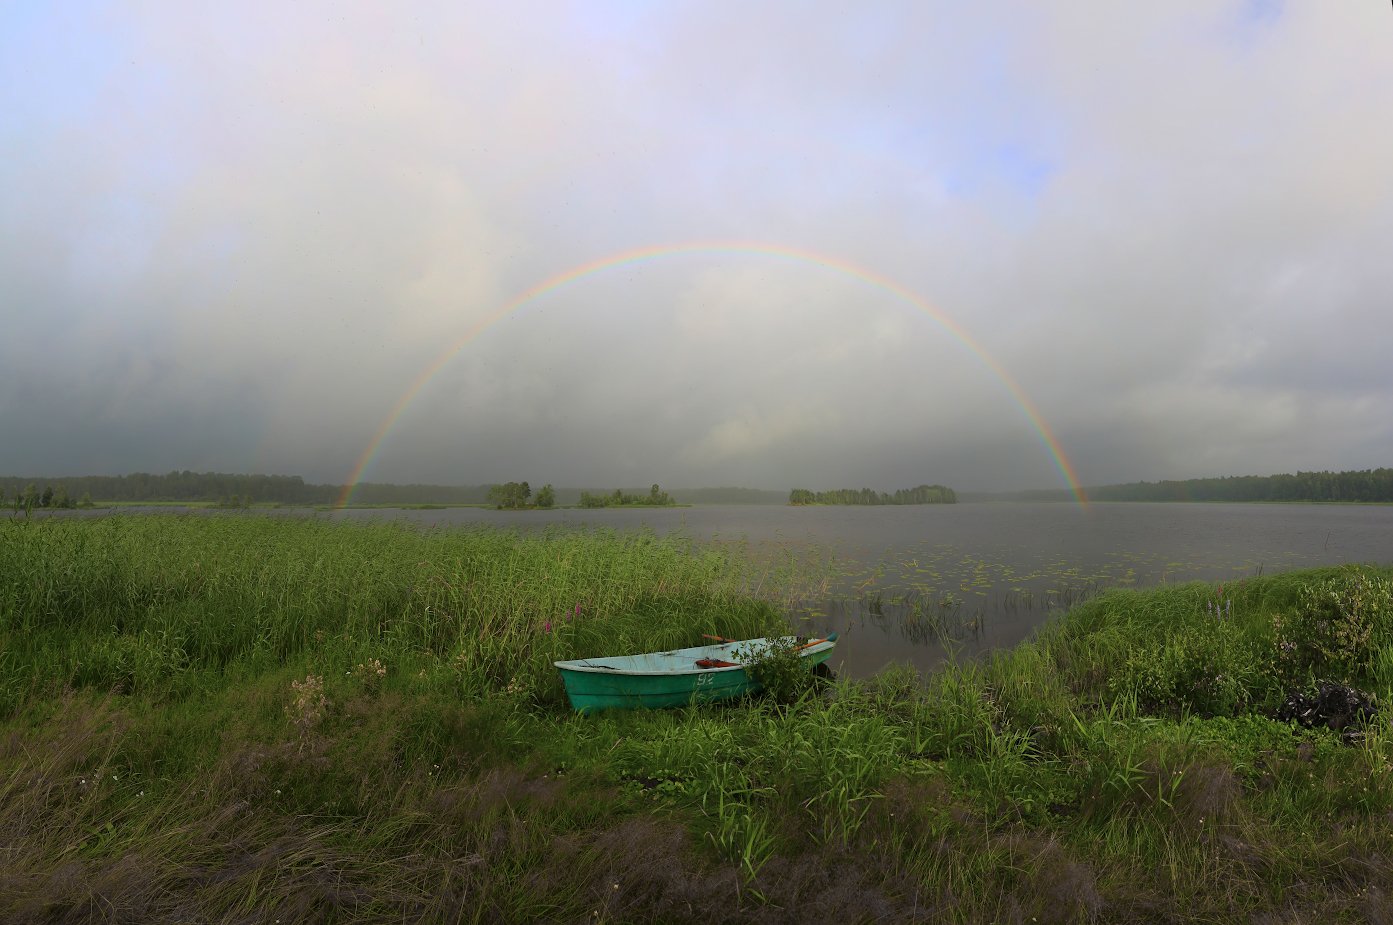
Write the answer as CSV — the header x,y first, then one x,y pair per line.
x,y
780,669
1338,628
1213,668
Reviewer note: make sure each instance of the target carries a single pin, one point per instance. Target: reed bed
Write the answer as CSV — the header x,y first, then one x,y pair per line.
x,y
234,718
151,603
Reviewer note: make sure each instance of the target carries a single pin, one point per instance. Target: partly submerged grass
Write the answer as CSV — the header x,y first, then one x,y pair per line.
x,y
245,719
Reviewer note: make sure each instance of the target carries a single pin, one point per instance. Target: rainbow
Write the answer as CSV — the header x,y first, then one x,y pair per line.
x,y
836,264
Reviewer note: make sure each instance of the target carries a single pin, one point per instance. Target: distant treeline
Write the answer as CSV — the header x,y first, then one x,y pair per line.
x,y
180,486
729,495
222,487
1361,485
1365,485
234,490
924,494
387,493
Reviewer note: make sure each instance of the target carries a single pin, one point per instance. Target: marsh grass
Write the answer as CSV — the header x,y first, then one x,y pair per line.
x,y
243,718
148,604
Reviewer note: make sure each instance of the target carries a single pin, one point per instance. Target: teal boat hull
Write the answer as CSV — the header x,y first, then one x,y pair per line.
x,y
657,680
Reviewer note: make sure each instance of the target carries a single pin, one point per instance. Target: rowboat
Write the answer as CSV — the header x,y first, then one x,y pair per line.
x,y
699,674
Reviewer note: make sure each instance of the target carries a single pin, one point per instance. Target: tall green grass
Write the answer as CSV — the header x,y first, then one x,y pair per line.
x,y
238,718
151,604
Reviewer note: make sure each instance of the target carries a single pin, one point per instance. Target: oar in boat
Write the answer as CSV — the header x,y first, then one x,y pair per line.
x,y
813,642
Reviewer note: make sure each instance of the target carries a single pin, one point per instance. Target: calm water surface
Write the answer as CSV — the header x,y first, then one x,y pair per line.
x,y
912,583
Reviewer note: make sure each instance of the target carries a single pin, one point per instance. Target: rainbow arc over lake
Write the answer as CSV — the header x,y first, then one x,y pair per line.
x,y
656,252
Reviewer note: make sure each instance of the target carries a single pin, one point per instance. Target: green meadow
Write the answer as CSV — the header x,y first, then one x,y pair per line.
x,y
239,718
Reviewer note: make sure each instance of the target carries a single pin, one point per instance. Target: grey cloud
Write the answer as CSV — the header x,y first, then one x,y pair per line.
x,y
250,231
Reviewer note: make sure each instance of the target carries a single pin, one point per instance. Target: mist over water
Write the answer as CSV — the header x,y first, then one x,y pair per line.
x,y
916,583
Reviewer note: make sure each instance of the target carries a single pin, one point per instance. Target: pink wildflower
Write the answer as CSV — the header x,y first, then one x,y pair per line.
x,y
546,627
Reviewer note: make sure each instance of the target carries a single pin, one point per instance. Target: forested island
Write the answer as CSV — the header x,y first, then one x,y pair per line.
x,y
923,494
514,496
30,497
656,497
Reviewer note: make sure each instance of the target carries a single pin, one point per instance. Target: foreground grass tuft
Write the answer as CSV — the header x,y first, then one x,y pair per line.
x,y
243,719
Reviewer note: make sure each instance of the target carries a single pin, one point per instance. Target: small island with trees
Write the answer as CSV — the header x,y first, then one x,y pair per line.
x,y
656,497
31,498
923,494
514,496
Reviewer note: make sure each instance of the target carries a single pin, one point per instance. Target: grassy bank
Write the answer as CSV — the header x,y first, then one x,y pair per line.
x,y
250,719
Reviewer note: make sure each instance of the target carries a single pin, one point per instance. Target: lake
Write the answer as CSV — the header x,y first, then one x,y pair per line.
x,y
916,583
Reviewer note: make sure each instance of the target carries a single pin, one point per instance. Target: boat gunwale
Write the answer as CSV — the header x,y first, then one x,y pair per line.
x,y
576,664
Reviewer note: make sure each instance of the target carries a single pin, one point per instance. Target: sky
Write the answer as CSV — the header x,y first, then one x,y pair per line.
x,y
994,245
